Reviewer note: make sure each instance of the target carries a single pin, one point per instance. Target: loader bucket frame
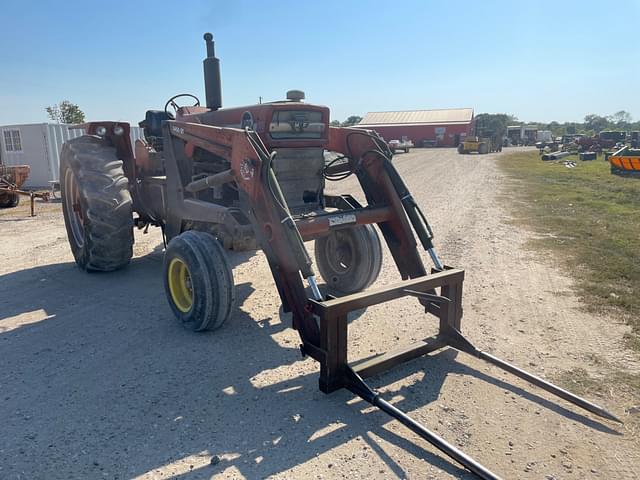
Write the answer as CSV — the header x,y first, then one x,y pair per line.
x,y
322,322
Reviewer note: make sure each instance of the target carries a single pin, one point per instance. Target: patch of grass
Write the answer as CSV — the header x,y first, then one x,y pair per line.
x,y
591,220
617,382
579,382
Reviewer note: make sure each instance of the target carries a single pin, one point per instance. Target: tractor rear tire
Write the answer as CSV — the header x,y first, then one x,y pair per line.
x,y
349,260
483,149
96,204
461,149
198,281
9,200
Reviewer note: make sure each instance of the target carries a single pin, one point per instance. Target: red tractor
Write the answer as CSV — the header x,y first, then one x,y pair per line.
x,y
242,178
604,140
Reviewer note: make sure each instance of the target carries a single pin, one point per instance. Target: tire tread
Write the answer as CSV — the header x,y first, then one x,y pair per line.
x,y
107,203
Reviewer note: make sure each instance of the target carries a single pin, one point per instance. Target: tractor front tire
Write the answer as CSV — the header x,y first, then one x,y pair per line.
x,y
9,200
198,281
483,149
461,149
350,259
96,204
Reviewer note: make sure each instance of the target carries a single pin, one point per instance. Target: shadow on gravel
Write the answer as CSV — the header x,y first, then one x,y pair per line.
x,y
445,362
14,219
107,384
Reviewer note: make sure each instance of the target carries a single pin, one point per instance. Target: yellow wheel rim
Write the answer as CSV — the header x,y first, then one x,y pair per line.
x,y
180,285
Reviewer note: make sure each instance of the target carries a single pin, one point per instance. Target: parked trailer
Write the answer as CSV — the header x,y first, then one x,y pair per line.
x,y
11,180
522,134
38,145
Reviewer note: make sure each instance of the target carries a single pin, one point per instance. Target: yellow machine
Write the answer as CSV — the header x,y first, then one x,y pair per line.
x,y
475,144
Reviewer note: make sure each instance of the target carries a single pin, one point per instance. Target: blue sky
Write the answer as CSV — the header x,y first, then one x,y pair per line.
x,y
541,61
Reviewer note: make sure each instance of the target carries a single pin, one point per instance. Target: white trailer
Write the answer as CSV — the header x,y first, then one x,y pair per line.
x,y
38,145
522,134
545,136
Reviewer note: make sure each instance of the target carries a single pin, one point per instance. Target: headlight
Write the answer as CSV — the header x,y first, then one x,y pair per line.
x,y
101,131
296,124
118,130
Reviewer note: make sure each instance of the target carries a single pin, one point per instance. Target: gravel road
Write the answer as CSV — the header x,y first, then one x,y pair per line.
x,y
97,379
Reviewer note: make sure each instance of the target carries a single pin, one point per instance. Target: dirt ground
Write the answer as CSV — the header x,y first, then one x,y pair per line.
x,y
98,380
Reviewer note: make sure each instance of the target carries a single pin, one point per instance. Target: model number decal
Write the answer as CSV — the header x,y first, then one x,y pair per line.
x,y
247,170
178,130
342,219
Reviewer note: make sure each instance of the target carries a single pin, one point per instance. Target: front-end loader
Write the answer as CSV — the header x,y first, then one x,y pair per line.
x,y
475,144
252,177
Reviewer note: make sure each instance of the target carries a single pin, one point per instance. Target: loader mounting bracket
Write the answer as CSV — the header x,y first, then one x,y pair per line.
x,y
332,353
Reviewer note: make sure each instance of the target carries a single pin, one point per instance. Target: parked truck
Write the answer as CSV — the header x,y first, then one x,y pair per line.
x,y
404,145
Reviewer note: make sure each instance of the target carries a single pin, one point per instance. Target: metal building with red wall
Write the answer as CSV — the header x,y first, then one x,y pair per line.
x,y
438,128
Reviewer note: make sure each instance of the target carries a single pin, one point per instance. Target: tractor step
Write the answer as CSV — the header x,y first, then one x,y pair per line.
x,y
441,295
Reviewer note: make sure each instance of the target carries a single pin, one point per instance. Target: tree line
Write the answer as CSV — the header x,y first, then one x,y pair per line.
x,y
497,123
594,124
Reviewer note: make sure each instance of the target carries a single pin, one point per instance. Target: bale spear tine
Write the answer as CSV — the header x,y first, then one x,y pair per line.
x,y
460,342
358,386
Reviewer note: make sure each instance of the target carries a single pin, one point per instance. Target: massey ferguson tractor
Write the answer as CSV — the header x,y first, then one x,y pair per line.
x,y
253,177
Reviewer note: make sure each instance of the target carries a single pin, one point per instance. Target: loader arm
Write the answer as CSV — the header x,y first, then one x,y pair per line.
x,y
279,234
368,160
369,157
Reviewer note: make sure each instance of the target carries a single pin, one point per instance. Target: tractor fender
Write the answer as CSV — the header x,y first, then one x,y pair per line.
x,y
117,134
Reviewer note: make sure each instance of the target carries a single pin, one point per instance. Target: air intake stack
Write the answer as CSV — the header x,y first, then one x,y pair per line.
x,y
212,85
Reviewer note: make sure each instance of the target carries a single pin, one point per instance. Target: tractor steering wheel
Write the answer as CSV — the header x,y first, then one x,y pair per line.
x,y
175,106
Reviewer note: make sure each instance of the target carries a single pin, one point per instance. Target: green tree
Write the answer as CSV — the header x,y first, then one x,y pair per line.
x,y
493,124
352,120
335,123
622,119
65,112
596,123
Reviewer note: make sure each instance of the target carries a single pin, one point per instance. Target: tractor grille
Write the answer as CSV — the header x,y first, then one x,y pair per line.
x,y
299,173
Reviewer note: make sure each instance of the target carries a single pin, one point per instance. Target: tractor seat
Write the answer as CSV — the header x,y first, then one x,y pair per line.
x,y
152,123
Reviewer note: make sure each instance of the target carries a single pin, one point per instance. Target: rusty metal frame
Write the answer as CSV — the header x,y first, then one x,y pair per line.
x,y
333,351
11,186
32,196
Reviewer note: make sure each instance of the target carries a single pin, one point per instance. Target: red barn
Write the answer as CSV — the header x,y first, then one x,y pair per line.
x,y
438,128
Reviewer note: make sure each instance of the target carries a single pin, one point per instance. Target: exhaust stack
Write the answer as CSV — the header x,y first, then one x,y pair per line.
x,y
212,85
